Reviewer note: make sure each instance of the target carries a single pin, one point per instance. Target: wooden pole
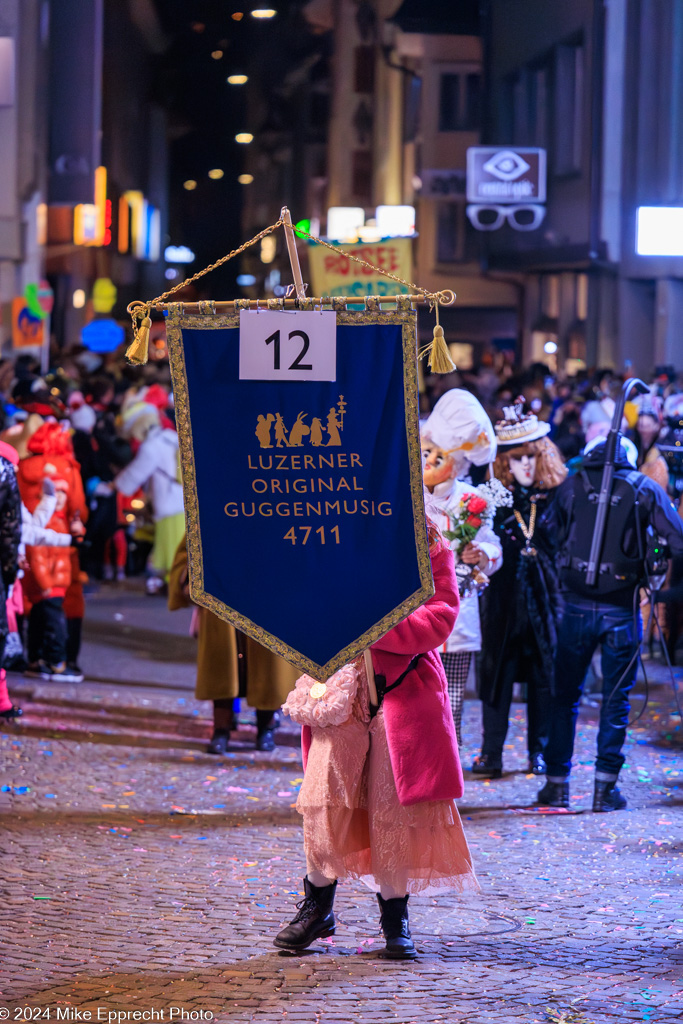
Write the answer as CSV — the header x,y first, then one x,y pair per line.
x,y
230,305
293,254
370,672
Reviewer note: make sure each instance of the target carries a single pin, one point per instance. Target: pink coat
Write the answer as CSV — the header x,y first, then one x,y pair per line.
x,y
417,714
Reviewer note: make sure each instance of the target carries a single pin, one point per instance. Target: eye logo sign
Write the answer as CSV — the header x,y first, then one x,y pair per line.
x,y
506,175
506,185
506,166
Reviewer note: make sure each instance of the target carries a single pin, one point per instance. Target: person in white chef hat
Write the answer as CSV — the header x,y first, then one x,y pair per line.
x,y
457,435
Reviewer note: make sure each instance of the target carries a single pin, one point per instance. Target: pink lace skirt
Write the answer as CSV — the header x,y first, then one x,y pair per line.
x,y
355,827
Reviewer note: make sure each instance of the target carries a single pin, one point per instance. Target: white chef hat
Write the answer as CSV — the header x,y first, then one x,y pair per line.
x,y
458,422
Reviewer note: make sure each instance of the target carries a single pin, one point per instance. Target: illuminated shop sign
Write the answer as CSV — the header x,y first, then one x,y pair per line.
x,y
659,231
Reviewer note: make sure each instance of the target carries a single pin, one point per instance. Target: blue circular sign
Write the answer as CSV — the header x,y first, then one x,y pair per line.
x,y
102,335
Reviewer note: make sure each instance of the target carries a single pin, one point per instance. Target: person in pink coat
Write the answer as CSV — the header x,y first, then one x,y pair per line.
x,y
379,790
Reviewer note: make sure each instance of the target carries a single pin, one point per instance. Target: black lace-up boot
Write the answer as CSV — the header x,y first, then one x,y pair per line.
x,y
315,919
394,924
607,796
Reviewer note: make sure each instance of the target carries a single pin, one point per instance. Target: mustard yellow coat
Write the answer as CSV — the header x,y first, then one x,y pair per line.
x,y
269,678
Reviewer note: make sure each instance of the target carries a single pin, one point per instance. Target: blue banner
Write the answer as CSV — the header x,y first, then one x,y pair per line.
x,y
303,498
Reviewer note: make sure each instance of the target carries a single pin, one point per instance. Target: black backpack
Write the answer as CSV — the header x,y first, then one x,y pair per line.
x,y
619,570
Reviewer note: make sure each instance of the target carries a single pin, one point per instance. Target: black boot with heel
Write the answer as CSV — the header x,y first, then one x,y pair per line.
x,y
394,924
266,724
222,724
315,919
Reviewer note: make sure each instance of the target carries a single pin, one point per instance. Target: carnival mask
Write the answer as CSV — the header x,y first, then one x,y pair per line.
x,y
437,465
523,469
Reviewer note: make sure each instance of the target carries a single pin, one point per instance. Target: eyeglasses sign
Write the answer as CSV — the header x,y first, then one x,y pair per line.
x,y
526,217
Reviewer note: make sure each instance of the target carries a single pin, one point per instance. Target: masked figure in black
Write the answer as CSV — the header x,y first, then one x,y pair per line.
x,y
521,607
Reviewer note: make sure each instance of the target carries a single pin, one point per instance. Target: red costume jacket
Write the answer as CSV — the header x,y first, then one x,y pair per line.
x,y
49,568
417,714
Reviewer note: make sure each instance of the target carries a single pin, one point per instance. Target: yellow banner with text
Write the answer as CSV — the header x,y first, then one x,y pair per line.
x,y
333,274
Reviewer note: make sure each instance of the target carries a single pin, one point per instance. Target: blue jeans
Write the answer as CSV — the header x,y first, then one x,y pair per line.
x,y
586,624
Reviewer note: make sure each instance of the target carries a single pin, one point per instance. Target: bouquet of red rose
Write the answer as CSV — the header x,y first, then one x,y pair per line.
x,y
468,515
474,508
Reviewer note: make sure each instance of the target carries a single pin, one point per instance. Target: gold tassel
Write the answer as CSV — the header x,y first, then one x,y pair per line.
x,y
138,350
439,358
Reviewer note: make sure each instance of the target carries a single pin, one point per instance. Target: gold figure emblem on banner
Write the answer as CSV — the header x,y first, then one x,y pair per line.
x,y
318,690
294,438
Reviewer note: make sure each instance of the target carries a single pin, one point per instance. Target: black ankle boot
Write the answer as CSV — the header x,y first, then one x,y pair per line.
x,y
11,713
394,924
536,764
266,724
218,743
607,797
487,767
554,794
315,919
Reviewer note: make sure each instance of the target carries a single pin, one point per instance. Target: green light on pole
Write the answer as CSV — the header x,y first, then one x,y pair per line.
x,y
302,225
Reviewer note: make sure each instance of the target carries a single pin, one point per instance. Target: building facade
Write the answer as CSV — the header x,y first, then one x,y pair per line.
x,y
598,85
83,159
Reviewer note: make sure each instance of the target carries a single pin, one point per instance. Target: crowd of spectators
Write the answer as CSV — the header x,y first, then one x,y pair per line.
x,y
89,453
581,408
95,452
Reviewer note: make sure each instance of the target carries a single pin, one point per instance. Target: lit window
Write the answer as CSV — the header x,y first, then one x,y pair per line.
x,y
268,249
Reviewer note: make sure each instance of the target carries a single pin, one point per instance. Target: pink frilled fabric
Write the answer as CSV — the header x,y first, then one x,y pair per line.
x,y
355,826
333,707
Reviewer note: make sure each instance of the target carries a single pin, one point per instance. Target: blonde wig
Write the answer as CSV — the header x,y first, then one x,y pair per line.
x,y
550,469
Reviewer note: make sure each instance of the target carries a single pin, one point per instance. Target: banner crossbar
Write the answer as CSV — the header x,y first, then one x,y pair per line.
x,y
437,351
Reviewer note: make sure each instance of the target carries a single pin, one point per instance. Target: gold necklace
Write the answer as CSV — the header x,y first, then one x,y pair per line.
x,y
528,531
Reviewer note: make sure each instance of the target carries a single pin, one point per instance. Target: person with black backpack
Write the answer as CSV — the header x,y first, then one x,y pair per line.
x,y
610,523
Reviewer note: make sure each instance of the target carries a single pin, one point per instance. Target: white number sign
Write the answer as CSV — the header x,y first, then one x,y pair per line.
x,y
300,345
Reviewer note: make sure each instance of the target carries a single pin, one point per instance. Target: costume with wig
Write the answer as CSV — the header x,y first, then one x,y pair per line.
x,y
522,606
460,429
156,468
52,584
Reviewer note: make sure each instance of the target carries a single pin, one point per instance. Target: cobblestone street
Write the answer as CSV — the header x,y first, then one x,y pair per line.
x,y
140,873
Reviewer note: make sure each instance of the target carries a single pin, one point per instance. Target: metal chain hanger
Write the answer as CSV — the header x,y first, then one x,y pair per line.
x,y
140,312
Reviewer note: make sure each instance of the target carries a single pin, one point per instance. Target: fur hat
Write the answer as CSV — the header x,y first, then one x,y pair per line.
x,y
459,422
138,418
